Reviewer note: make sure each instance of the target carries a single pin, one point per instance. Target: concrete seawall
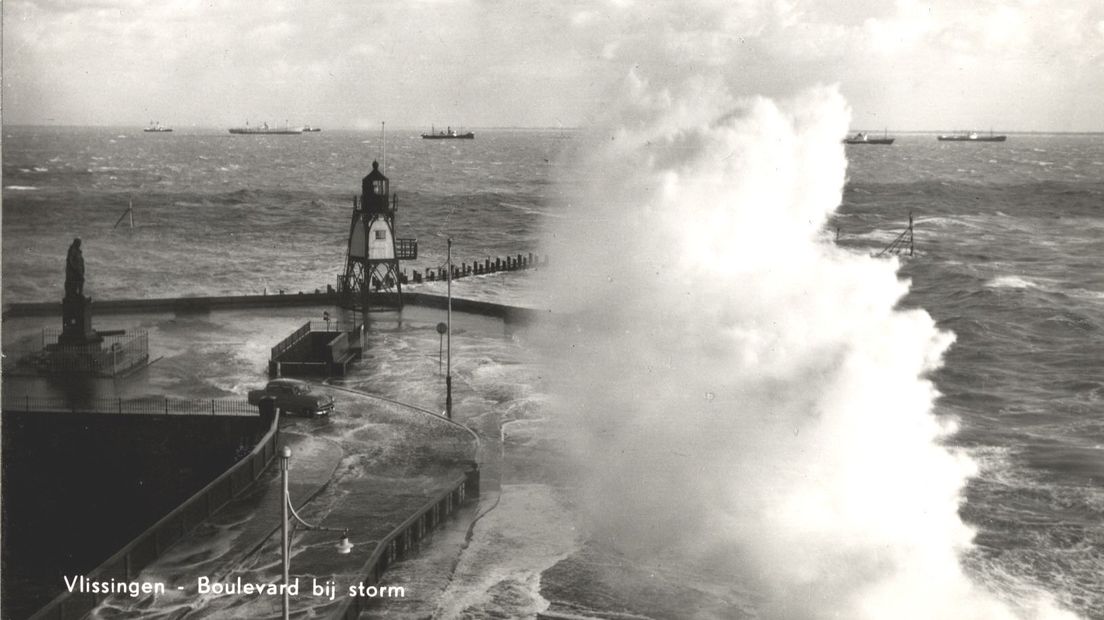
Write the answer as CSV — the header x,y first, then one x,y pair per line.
x,y
509,314
405,539
144,462
178,304
404,528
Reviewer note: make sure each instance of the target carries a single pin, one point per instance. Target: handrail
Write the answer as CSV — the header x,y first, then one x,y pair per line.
x,y
136,555
161,405
412,529
290,341
308,328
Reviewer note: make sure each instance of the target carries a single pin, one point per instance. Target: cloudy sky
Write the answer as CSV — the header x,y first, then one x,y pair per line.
x,y
1033,65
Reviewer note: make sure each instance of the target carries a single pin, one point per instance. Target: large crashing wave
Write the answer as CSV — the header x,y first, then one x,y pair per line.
x,y
741,389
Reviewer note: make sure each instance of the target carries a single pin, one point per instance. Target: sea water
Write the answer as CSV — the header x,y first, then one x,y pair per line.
x,y
1008,239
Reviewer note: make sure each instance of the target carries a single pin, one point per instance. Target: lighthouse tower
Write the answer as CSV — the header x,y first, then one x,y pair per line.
x,y
372,278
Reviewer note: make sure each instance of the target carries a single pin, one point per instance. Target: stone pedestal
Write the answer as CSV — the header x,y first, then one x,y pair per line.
x,y
76,322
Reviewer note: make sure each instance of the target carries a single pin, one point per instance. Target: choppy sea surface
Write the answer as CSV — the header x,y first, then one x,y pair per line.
x,y
1009,239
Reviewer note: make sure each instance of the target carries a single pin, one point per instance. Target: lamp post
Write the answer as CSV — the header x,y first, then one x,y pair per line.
x,y
448,332
344,547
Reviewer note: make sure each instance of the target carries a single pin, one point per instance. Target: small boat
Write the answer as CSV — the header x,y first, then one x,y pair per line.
x,y
973,136
448,134
264,129
309,129
157,127
864,138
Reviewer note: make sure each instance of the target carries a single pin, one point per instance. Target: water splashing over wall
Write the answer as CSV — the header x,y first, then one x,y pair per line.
x,y
741,389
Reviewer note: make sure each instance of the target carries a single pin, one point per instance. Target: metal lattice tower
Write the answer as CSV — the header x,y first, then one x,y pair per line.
x,y
372,280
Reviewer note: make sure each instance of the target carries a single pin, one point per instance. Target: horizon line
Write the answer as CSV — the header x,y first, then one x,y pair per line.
x,y
535,128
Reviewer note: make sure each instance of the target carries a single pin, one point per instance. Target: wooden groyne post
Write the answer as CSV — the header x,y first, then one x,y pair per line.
x,y
517,262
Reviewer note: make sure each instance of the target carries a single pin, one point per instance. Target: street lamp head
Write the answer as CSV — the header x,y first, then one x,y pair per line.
x,y
286,452
345,546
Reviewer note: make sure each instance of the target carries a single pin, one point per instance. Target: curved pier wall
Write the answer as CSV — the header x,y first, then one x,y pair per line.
x,y
80,486
509,314
179,304
406,538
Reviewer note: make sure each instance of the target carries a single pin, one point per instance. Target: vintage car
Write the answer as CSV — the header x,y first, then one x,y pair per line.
x,y
293,397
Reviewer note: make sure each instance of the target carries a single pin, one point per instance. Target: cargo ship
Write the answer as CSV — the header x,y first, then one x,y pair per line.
x,y
864,138
973,136
447,134
264,129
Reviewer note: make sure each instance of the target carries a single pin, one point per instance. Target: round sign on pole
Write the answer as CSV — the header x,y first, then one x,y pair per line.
x,y
442,328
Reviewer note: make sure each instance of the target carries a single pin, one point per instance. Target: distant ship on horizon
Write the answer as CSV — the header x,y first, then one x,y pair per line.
x,y
972,136
864,138
157,127
448,134
264,129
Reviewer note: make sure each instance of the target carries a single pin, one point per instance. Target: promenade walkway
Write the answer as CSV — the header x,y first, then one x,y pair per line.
x,y
366,468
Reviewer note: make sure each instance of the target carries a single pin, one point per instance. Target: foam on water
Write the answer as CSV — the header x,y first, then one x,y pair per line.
x,y
493,579
1010,282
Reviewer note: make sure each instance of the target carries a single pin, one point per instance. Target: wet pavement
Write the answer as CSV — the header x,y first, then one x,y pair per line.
x,y
390,458
366,468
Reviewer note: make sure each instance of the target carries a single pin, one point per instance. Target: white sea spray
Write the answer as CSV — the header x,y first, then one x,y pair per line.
x,y
740,388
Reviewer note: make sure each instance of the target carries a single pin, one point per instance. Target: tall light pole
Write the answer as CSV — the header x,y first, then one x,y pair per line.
x,y
343,547
448,332
285,463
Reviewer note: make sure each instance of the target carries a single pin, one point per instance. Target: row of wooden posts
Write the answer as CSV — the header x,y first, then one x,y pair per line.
x,y
509,263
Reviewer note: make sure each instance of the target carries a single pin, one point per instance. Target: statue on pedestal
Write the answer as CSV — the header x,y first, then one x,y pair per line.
x,y
76,311
74,270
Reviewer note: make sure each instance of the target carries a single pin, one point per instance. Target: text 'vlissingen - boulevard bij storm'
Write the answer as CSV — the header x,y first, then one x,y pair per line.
x,y
204,585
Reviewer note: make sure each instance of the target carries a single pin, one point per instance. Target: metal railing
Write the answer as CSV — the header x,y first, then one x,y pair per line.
x,y
403,540
285,344
116,353
308,327
333,326
129,561
406,249
152,405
